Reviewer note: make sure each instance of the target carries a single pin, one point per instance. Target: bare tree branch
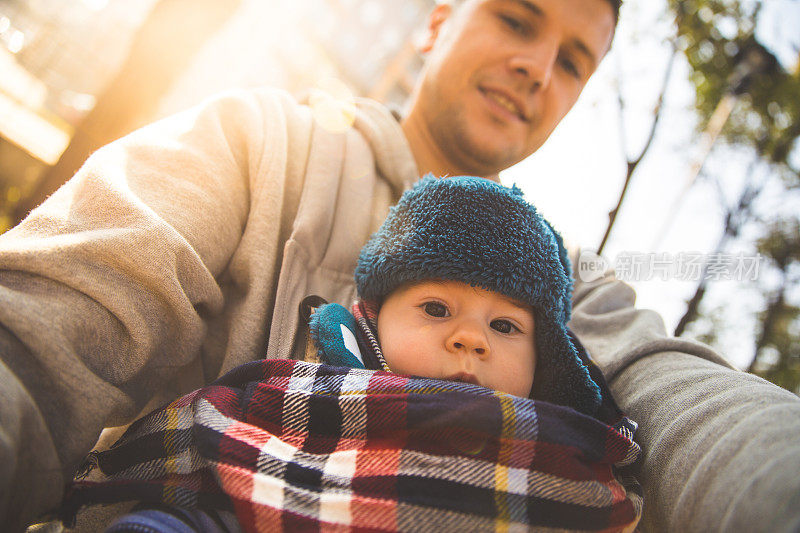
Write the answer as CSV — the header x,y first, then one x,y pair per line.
x,y
633,163
735,217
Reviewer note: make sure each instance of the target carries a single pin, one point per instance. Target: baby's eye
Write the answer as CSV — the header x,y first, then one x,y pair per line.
x,y
503,326
435,309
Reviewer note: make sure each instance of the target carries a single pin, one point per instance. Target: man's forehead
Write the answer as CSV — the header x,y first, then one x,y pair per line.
x,y
614,4
533,8
538,9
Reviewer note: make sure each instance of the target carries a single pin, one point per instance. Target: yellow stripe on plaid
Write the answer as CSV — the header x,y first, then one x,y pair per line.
x,y
169,493
170,442
504,458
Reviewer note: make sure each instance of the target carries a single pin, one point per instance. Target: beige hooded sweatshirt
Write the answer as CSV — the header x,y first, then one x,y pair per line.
x,y
185,249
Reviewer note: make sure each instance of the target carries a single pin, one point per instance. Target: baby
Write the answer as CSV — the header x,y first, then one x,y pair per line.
x,y
464,281
469,283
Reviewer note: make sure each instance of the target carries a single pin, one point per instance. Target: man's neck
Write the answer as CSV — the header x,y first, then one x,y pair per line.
x,y
428,155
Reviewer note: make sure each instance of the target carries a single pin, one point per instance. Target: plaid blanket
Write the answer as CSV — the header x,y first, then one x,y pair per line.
x,y
299,446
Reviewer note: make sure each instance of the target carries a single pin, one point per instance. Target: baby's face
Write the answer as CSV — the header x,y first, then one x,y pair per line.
x,y
450,330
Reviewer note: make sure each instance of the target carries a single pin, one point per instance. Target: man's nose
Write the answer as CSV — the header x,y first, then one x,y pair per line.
x,y
534,63
468,337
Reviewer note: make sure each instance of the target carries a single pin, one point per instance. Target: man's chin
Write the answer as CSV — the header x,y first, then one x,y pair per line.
x,y
489,160
482,149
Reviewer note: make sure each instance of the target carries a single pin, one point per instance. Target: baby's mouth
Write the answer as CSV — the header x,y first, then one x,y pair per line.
x,y
464,377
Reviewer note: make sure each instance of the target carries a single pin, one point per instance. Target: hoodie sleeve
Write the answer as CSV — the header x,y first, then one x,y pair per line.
x,y
720,446
107,287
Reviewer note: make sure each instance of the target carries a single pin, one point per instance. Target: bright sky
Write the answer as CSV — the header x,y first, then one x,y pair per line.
x,y
576,178
779,30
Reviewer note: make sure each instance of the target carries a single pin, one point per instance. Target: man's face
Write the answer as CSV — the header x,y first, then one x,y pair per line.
x,y
501,74
450,330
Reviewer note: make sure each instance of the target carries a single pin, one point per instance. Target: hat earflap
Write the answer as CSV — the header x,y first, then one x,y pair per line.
x,y
563,380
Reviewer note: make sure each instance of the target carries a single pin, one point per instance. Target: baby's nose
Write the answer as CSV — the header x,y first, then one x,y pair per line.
x,y
469,338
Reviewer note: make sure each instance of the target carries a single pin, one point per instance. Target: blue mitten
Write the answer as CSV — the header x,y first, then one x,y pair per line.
x,y
333,330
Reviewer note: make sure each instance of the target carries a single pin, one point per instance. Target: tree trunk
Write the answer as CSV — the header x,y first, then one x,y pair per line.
x,y
770,317
692,308
171,35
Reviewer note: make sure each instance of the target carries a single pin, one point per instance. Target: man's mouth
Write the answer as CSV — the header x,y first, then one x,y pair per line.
x,y
505,102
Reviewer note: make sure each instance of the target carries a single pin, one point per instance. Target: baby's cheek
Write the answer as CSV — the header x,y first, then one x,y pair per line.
x,y
408,346
514,371
402,358
393,359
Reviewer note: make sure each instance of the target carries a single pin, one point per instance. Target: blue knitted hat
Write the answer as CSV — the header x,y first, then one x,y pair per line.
x,y
478,232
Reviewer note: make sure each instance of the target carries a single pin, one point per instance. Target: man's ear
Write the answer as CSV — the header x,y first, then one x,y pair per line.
x,y
436,20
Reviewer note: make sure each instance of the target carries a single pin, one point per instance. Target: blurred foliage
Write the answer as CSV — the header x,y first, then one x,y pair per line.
x,y
716,37
779,359
777,353
707,327
782,244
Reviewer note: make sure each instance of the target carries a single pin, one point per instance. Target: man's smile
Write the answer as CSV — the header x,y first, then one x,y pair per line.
x,y
506,101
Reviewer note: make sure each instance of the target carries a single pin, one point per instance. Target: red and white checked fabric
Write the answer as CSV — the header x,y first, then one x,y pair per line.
x,y
296,446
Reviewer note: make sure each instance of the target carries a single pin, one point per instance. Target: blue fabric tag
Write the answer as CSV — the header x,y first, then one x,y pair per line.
x,y
333,330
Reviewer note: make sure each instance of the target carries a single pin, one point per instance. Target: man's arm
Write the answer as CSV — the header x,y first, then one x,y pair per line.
x,y
720,446
106,289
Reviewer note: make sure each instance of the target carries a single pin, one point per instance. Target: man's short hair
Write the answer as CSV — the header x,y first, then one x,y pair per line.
x,y
615,5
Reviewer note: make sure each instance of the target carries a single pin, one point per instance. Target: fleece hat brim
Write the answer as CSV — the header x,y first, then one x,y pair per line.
x,y
481,233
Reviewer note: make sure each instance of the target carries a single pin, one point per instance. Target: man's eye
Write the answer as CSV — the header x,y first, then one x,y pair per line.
x,y
514,24
570,68
503,326
435,309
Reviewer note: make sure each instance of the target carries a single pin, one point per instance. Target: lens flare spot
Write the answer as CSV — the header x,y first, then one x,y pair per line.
x,y
333,105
